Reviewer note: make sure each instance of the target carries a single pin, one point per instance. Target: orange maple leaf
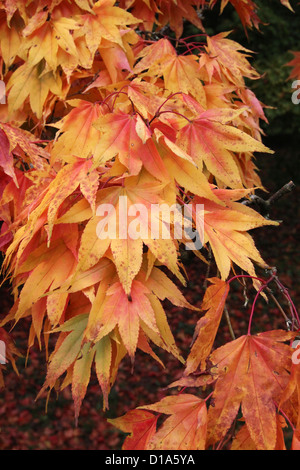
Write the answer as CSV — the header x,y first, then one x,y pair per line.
x,y
251,372
128,137
226,230
211,139
207,327
140,424
185,429
295,63
232,58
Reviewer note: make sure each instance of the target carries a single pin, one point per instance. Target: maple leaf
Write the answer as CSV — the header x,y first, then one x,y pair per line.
x,y
193,381
34,83
81,376
175,11
9,351
61,187
77,137
60,39
233,63
246,10
117,309
151,57
103,363
121,135
182,73
66,350
156,127
142,9
74,354
162,12
243,441
295,63
47,268
95,242
186,427
75,358
179,72
211,65
88,278
210,139
140,92
6,157
226,230
162,288
159,283
112,306
182,168
22,144
10,42
141,311
140,424
292,388
109,19
45,38
207,327
252,371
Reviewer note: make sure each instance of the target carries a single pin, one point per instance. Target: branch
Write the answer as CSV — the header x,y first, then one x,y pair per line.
x,y
262,206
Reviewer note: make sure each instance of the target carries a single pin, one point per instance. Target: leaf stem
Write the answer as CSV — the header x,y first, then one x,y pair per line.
x,y
208,397
246,276
287,320
255,300
292,306
286,417
174,112
166,100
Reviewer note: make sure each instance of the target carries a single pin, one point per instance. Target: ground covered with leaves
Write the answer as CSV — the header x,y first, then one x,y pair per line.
x,y
26,424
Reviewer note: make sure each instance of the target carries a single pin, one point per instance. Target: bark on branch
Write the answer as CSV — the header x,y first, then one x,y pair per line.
x,y
262,206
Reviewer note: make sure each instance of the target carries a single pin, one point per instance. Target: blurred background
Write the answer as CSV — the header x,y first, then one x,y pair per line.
x,y
24,423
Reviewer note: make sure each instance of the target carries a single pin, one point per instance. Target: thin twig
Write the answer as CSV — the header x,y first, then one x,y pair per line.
x,y
245,292
292,307
229,323
286,318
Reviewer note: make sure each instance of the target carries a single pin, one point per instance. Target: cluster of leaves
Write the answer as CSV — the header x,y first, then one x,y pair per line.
x,y
253,374
295,64
158,124
273,53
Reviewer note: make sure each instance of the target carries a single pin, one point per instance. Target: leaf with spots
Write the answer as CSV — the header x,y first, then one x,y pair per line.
x,y
251,372
210,139
186,426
